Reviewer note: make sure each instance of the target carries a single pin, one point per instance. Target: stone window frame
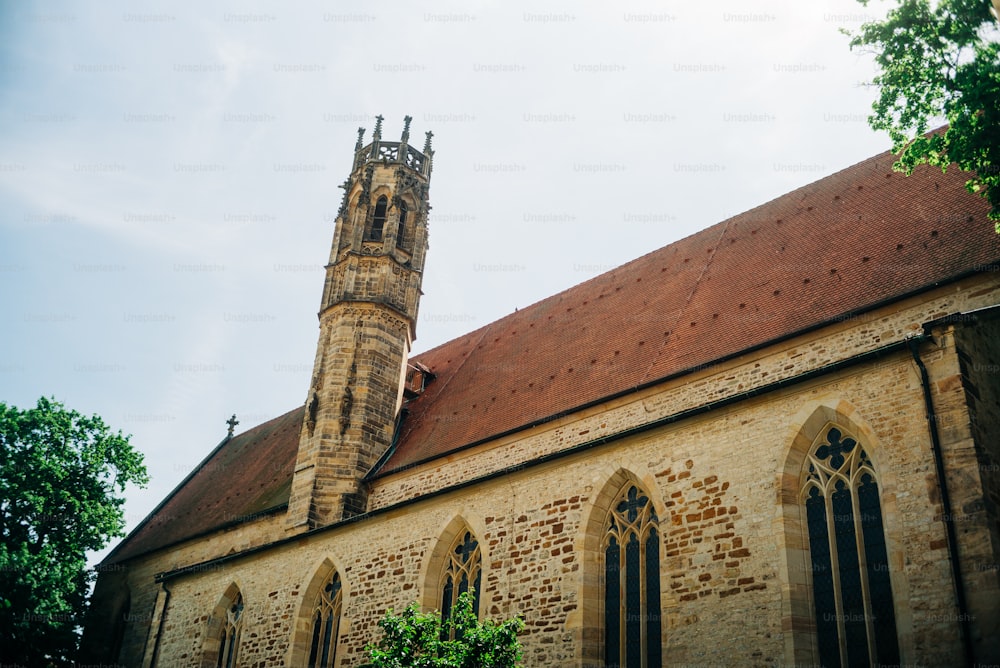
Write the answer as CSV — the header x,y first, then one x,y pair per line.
x,y
458,567
302,630
370,229
433,572
791,532
404,217
223,624
838,463
590,633
351,221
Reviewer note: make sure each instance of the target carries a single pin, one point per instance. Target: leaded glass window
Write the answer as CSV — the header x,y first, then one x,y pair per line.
x,y
463,569
326,624
852,592
631,549
229,644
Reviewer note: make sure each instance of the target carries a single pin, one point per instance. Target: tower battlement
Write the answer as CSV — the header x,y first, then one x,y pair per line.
x,y
399,152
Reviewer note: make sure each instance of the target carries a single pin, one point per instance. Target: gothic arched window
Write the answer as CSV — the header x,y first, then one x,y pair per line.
x,y
401,230
631,548
852,593
326,624
463,569
378,222
232,626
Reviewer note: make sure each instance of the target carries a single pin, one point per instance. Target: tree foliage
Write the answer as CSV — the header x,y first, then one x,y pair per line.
x,y
940,60
416,639
61,475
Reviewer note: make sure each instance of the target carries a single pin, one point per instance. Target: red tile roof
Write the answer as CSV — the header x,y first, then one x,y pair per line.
x,y
851,241
243,478
845,243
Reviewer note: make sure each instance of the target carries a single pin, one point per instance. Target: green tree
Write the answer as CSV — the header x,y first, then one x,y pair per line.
x,y
61,475
939,60
417,639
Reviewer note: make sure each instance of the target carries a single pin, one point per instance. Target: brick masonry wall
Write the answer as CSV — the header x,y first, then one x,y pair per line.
x,y
724,486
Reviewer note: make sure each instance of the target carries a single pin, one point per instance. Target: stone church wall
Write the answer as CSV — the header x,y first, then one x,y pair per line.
x,y
724,485
136,577
978,346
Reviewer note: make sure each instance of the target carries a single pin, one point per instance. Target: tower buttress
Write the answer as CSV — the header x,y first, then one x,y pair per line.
x,y
367,323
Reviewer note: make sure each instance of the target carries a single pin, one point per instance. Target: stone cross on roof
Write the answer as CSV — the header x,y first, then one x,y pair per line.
x,y
232,422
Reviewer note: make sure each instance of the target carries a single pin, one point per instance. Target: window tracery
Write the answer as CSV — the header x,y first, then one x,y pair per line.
x,y
463,570
631,552
232,626
852,592
326,623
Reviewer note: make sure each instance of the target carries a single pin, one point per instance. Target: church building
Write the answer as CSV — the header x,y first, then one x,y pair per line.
x,y
773,442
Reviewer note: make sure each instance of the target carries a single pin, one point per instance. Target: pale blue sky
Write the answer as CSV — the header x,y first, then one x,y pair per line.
x,y
168,173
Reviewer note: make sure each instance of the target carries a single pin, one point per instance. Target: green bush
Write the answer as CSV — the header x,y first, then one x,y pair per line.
x,y
421,640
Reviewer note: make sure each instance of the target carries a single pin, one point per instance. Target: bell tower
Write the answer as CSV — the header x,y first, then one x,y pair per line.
x,y
367,324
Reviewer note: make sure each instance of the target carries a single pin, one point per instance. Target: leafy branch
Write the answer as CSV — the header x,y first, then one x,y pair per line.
x,y
939,61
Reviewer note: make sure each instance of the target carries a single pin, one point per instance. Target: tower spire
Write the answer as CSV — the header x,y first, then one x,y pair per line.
x,y
367,320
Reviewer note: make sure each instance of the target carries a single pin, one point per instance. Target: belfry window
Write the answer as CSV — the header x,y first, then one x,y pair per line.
x,y
232,626
852,592
401,230
463,569
378,221
631,549
326,624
